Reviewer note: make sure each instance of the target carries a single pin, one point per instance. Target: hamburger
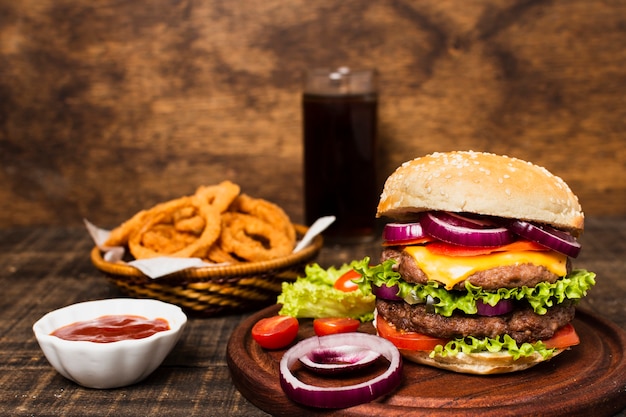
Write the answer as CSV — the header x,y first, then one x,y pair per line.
x,y
476,273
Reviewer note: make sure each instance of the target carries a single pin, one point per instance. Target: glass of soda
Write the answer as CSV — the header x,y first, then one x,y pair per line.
x,y
340,151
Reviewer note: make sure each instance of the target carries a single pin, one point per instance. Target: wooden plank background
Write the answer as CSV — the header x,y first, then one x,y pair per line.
x,y
109,106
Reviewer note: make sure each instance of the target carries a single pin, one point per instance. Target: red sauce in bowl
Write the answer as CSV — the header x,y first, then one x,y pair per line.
x,y
112,328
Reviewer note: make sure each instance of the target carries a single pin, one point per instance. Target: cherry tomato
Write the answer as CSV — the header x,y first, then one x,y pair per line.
x,y
564,337
334,325
407,340
275,332
344,283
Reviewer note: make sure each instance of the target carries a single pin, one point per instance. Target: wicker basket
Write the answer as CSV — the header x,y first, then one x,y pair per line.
x,y
214,290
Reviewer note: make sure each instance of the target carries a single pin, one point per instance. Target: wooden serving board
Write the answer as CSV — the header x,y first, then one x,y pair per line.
x,y
590,378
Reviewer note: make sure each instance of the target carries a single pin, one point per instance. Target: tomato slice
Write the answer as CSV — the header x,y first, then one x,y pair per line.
x,y
275,332
407,340
564,337
447,249
344,283
333,325
416,241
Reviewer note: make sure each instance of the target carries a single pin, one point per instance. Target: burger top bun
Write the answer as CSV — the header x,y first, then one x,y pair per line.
x,y
481,183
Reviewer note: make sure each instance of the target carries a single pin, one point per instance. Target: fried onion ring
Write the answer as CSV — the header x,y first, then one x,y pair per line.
x,y
266,211
217,254
216,223
119,236
252,239
220,196
183,227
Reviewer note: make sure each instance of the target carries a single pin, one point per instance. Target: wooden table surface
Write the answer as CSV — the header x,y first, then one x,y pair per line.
x,y
42,269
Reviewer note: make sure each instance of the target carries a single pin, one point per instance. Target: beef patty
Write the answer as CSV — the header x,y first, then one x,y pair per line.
x,y
522,324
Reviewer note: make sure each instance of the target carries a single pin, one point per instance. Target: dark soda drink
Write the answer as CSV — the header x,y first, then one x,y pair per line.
x,y
340,163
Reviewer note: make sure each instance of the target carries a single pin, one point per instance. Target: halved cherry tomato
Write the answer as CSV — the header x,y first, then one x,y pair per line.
x,y
563,338
275,332
447,249
344,283
334,325
407,340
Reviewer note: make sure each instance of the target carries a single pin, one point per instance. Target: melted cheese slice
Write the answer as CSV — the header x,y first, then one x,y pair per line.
x,y
450,270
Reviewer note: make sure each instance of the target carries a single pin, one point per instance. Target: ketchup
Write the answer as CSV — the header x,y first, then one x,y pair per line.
x,y
113,328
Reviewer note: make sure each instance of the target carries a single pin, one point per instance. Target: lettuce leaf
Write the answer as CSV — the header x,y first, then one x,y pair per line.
x,y
471,344
313,296
571,287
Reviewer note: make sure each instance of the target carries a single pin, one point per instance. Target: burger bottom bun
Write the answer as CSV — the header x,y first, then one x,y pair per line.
x,y
484,363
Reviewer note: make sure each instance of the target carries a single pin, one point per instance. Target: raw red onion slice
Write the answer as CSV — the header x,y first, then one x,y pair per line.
x,y
341,396
465,221
547,236
393,232
386,293
444,227
345,358
502,307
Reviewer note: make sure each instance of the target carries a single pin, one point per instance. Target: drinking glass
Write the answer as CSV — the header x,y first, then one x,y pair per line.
x,y
340,151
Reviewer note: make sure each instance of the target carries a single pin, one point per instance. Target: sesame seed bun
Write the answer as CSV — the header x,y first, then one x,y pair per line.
x,y
481,183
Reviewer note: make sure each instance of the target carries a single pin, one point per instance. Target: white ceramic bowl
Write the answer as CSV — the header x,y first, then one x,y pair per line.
x,y
109,365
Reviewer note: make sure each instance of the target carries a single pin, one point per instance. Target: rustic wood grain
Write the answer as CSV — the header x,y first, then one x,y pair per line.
x,y
111,106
